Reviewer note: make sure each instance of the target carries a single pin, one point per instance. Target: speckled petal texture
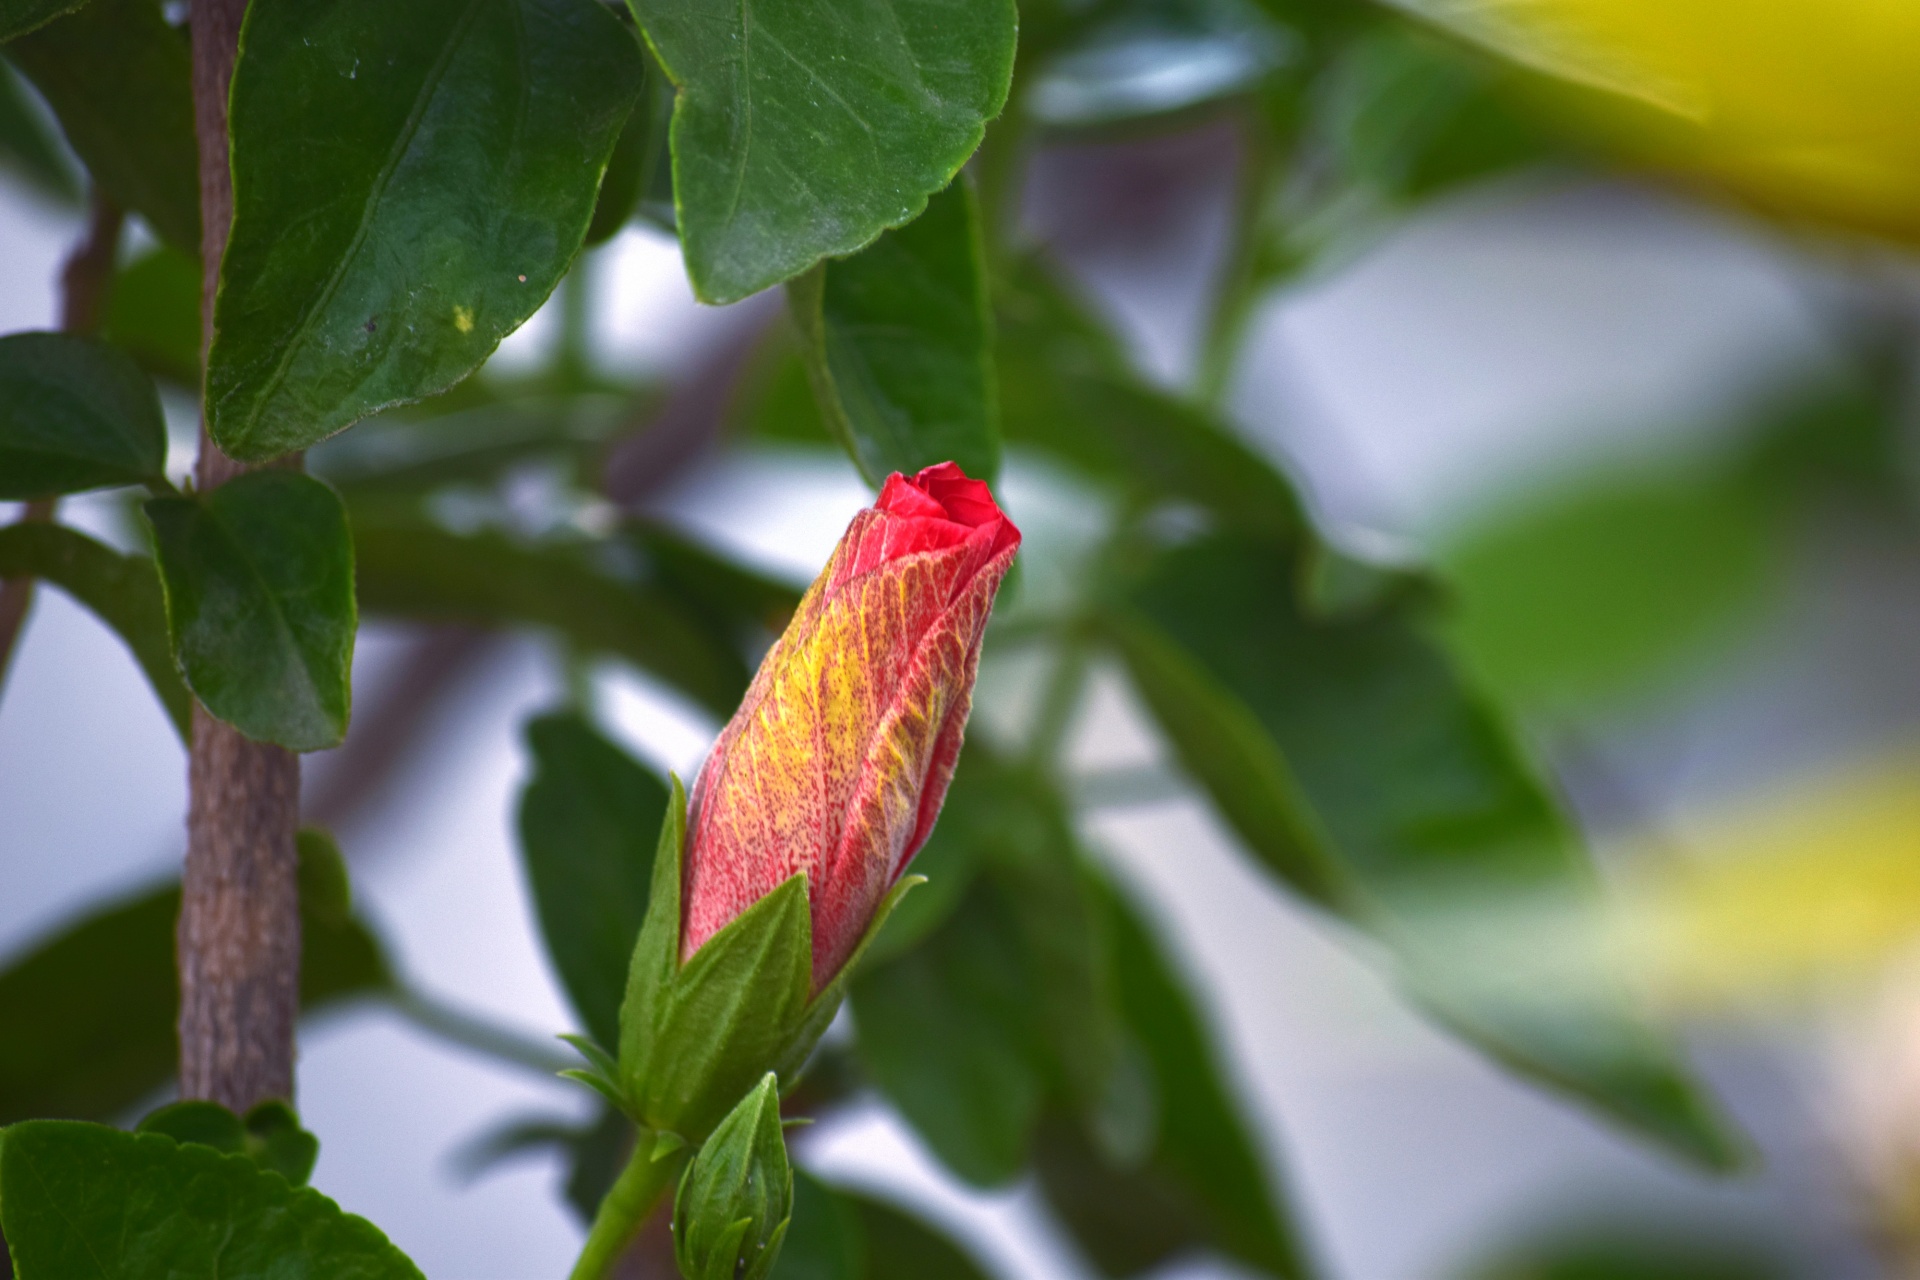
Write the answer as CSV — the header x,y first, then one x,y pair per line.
x,y
838,760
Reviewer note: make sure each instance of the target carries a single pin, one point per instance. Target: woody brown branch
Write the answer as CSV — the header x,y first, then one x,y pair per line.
x,y
239,930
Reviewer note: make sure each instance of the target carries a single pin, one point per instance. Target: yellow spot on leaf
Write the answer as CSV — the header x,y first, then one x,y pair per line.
x,y
463,319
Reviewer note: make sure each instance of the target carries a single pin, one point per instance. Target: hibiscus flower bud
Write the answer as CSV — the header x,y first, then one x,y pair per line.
x,y
838,760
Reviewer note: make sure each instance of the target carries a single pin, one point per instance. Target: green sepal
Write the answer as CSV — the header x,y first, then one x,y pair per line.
x,y
656,953
736,1196
820,1012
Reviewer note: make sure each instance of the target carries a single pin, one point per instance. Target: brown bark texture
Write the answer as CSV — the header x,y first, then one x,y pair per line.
x,y
239,932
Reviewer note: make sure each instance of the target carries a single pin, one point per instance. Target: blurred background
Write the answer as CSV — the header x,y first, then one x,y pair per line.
x,y
1649,433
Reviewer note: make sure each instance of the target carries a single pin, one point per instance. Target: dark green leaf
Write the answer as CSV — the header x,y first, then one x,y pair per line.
x,y
120,81
270,1135
450,155
122,591
17,17
153,313
80,1200
900,1246
639,158
1066,387
74,414
1405,798
589,823
197,1120
95,1005
600,600
948,1035
27,148
259,583
824,1241
1203,1183
804,129
898,345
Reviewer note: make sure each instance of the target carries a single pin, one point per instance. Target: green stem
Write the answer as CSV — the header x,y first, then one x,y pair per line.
x,y
1059,700
1241,277
624,1210
470,1031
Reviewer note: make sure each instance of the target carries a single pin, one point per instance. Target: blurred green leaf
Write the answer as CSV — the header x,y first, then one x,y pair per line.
x,y
84,1200
900,1246
259,584
1409,114
601,600
119,80
1140,59
589,822
1401,798
122,591
1066,387
1636,1251
639,157
450,156
1582,592
1203,1183
824,1241
946,1032
28,148
804,130
96,1004
74,414
17,17
153,314
898,345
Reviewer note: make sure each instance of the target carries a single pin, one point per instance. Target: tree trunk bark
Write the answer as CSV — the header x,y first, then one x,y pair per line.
x,y
239,932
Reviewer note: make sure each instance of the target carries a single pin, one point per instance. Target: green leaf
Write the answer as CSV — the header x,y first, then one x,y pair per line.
x,y
17,17
153,314
638,161
98,1001
898,345
120,81
902,1247
947,1033
122,591
1407,790
80,1200
824,1240
74,414
589,822
1066,387
28,148
270,1136
736,1197
1203,1183
601,601
804,129
259,584
450,156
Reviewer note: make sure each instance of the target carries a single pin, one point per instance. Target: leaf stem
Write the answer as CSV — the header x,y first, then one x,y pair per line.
x,y
1244,271
1060,699
626,1208
478,1033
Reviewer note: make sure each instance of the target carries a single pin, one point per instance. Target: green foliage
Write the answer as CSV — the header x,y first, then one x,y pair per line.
x,y
736,1197
803,130
1400,800
74,414
27,149
82,1200
17,17
270,1135
639,160
102,1001
123,591
838,1235
589,819
450,154
898,345
117,77
259,587
153,314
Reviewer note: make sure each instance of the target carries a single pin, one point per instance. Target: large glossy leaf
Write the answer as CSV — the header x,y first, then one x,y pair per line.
x,y
1203,1183
589,823
120,81
94,1007
122,591
449,152
1405,800
600,601
898,345
84,1201
74,414
259,584
1065,386
805,128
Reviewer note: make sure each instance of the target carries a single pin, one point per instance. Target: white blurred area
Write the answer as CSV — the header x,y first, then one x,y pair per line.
x,y
1507,332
